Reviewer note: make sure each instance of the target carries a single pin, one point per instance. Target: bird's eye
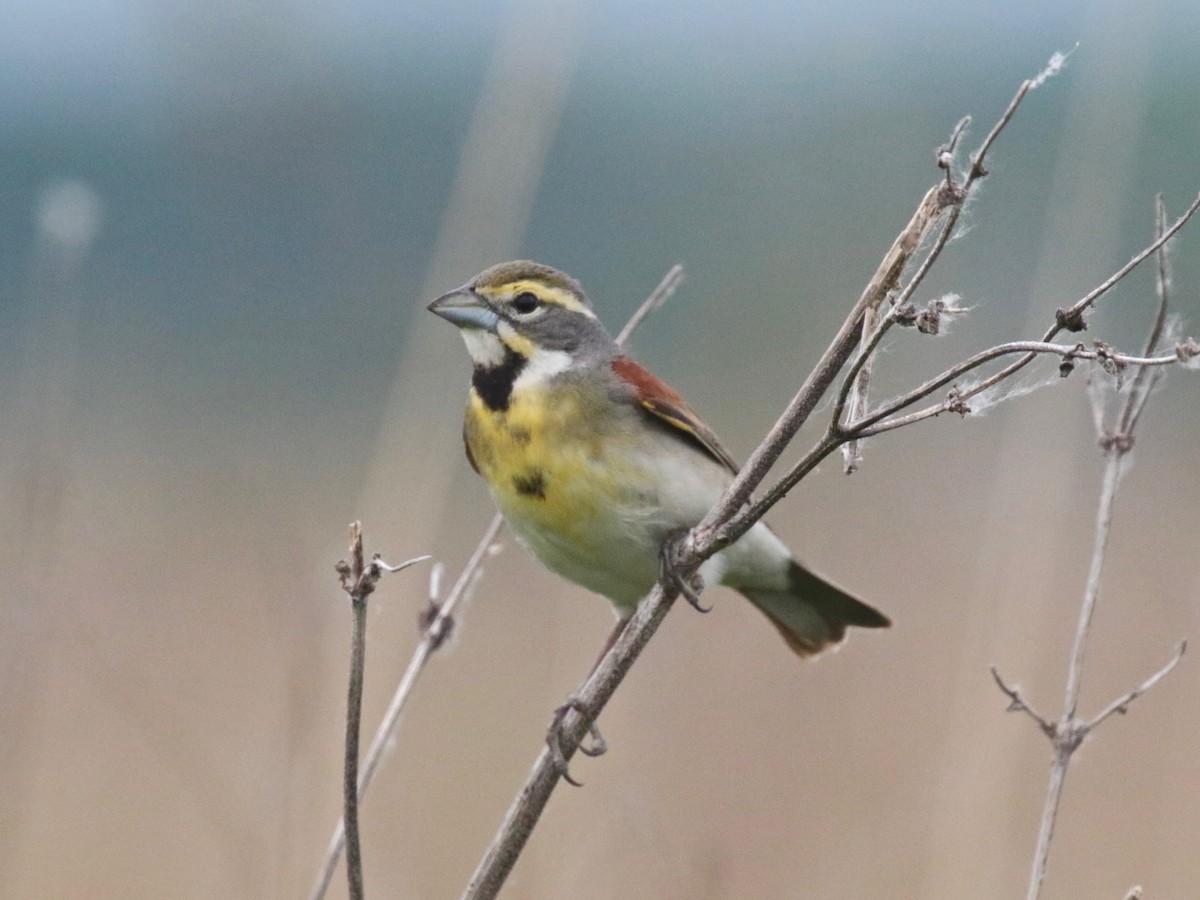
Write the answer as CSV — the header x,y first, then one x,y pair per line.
x,y
526,302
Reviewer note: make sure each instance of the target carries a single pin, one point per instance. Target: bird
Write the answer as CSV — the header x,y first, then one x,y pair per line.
x,y
595,463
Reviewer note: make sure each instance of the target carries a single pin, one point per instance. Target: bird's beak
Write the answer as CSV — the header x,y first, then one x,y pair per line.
x,y
466,309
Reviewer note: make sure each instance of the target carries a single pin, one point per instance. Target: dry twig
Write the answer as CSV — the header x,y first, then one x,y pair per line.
x,y
1069,732
359,580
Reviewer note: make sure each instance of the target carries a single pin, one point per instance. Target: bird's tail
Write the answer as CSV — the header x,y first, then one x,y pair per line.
x,y
811,613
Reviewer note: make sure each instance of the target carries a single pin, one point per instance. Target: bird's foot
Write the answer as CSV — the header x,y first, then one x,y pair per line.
x,y
554,735
668,570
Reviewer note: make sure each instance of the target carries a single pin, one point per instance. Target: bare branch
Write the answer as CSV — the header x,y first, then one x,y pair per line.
x,y
1070,731
660,295
856,386
359,580
1121,704
977,168
1017,703
885,280
858,382
1144,381
710,532
1067,318
1108,493
1068,735
743,520
950,194
358,649
434,633
877,422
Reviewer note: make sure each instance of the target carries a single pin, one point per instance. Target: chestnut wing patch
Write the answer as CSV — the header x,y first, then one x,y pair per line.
x,y
667,406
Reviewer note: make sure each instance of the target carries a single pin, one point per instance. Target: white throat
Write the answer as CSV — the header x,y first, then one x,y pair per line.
x,y
542,367
485,348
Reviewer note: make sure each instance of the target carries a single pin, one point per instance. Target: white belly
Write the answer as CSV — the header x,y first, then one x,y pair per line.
x,y
612,547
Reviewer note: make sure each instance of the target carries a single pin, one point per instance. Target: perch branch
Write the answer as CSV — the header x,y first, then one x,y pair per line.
x,y
707,538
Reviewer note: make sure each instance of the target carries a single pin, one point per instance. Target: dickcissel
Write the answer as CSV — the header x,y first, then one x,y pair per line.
x,y
594,462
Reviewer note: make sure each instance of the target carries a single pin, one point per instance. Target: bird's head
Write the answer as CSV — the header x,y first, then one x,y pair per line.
x,y
525,315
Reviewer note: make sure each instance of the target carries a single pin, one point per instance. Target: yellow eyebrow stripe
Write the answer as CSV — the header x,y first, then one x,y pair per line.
x,y
547,294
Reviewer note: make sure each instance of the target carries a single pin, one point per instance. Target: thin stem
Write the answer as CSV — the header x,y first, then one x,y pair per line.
x,y
858,383
1054,790
836,355
745,519
358,652
1068,737
865,353
1163,279
359,581
660,295
1070,731
359,586
1145,381
384,739
1108,493
434,634
977,169
1018,703
1100,290
1121,704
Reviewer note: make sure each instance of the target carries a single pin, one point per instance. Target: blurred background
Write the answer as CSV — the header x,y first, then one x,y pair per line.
x,y
219,225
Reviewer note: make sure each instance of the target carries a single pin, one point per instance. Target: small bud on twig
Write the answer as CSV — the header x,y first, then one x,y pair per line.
x,y
956,403
1070,319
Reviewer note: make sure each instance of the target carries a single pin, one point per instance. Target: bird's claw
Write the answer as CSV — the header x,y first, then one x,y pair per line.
x,y
689,588
597,747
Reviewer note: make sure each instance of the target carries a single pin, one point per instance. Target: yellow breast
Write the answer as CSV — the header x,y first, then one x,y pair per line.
x,y
548,458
